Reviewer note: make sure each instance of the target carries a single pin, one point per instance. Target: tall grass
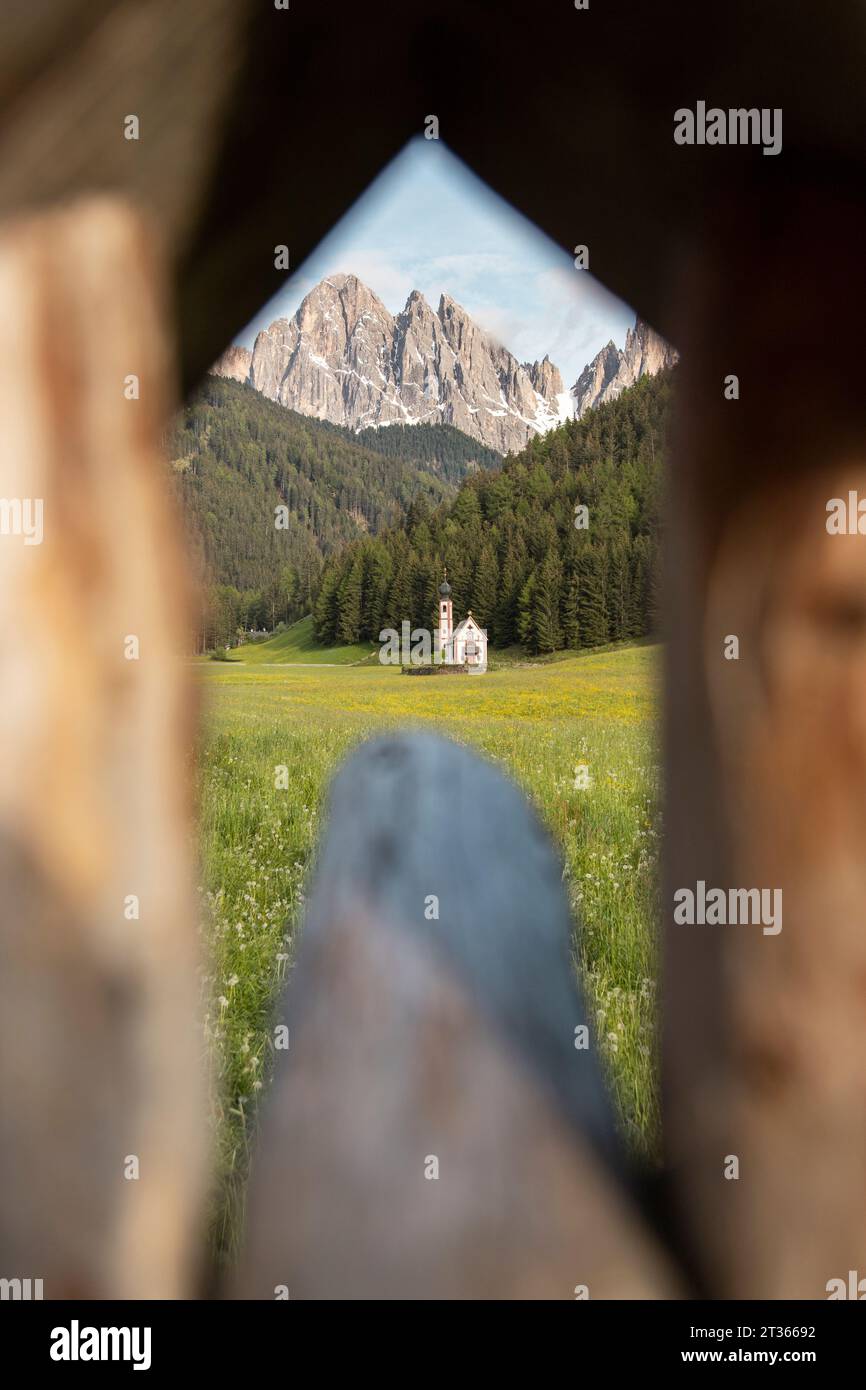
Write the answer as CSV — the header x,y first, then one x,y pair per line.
x,y
538,721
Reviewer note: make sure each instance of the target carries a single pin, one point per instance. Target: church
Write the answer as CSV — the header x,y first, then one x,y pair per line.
x,y
465,645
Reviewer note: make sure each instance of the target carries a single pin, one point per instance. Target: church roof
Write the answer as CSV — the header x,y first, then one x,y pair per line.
x,y
469,622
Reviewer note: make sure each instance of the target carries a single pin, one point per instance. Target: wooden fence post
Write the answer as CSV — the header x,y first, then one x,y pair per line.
x,y
765,1023
101,1125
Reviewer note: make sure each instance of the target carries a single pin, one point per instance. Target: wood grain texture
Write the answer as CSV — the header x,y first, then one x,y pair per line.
x,y
71,71
765,1054
99,1053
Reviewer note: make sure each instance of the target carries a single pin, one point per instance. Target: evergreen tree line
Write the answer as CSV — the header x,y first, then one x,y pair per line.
x,y
228,613
448,451
237,456
509,541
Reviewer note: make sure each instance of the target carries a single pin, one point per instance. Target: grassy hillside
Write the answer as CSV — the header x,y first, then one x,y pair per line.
x,y
298,645
538,721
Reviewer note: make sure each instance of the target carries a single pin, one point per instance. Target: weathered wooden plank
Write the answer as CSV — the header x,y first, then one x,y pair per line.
x,y
70,74
99,1053
432,1019
765,1056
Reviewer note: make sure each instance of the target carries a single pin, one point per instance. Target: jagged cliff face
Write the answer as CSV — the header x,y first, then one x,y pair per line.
x,y
612,370
234,364
343,357
545,378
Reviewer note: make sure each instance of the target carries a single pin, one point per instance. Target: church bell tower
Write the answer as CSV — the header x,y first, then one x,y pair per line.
x,y
446,623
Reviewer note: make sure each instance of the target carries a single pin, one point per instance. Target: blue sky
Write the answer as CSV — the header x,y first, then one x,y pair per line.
x,y
428,223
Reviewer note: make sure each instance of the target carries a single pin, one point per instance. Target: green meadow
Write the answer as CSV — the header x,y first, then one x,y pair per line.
x,y
539,721
297,645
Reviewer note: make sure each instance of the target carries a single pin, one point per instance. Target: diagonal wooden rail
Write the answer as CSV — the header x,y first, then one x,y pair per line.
x,y
438,1126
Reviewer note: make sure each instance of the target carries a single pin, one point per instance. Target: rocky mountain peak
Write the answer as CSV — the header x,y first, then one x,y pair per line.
x,y
416,306
545,377
343,357
234,363
646,351
449,308
612,369
456,323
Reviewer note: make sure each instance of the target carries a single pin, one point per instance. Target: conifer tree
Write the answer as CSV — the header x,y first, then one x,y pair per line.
x,y
617,590
325,611
398,605
593,609
508,539
505,616
636,614
349,619
526,630
570,610
377,579
485,588
548,634
653,582
425,607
